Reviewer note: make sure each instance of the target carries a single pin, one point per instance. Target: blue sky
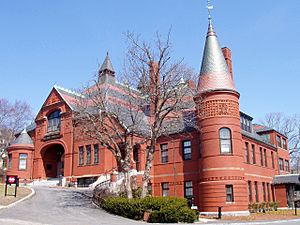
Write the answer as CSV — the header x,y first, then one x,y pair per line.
x,y
48,42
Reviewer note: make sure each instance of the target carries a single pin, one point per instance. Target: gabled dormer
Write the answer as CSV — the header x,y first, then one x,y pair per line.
x,y
57,108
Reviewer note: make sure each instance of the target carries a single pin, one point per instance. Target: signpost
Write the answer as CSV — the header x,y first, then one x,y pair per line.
x,y
297,205
12,180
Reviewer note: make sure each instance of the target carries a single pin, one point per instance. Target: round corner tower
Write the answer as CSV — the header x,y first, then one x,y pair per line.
x,y
221,176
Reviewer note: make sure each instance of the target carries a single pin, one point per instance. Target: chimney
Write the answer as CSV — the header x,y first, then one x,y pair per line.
x,y
227,55
154,85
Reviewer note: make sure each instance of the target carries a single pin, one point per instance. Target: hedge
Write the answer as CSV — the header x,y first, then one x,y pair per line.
x,y
162,209
262,207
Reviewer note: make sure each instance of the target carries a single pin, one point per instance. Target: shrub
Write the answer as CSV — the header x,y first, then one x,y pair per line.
x,y
162,209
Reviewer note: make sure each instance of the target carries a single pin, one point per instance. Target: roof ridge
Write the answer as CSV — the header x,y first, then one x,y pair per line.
x,y
68,90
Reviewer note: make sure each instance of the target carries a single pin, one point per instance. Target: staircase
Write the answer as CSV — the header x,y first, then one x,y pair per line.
x,y
50,182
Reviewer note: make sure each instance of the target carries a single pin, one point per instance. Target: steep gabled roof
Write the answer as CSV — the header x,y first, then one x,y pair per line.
x,y
70,97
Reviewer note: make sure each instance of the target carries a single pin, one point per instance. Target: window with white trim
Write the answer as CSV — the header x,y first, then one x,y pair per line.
x,y
187,149
23,161
54,121
164,153
229,193
225,140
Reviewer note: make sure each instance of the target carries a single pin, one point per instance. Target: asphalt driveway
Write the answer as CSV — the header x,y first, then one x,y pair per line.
x,y
59,206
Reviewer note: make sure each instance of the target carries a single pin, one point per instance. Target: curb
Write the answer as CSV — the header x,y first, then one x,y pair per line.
x,y
20,200
251,222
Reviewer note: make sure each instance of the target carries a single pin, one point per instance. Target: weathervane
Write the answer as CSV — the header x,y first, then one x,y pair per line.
x,y
209,8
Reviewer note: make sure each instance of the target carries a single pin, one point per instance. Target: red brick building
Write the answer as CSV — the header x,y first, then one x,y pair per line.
x,y
229,163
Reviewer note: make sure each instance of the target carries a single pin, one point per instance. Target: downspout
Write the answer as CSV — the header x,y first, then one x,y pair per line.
x,y
174,166
73,146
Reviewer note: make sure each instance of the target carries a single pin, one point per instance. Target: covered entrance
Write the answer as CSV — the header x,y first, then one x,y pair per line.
x,y
53,161
287,189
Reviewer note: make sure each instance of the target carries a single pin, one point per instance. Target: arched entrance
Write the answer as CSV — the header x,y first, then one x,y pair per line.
x,y
53,160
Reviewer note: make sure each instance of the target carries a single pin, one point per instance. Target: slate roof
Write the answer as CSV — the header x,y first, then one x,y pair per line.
x,y
214,74
106,65
256,137
287,179
261,128
23,138
70,97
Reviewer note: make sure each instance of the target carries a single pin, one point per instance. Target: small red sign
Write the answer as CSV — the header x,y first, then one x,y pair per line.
x,y
12,179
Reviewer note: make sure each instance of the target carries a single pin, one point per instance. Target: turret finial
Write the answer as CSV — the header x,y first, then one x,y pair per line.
x,y
209,8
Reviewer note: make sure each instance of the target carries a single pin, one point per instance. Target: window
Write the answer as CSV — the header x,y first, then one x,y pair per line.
x,y
278,140
253,154
165,189
247,152
96,153
287,166
9,164
188,189
250,191
88,154
187,150
136,149
265,156
80,158
225,140
268,192
246,124
284,143
266,137
164,153
22,161
261,156
256,192
281,166
273,161
229,193
264,191
54,121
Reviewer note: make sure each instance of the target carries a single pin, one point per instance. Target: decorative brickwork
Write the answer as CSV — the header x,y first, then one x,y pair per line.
x,y
222,178
53,98
216,108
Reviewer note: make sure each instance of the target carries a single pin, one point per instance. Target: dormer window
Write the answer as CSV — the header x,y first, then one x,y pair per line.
x,y
246,122
54,121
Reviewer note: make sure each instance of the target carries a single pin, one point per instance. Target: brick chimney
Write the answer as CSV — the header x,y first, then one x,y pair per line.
x,y
227,55
154,84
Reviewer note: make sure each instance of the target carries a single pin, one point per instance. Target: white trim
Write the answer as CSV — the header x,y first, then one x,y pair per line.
x,y
233,213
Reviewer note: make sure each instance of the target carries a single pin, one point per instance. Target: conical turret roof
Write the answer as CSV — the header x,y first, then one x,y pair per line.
x,y
214,74
106,65
23,139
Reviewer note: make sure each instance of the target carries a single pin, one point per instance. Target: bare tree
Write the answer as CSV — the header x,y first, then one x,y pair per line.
x,y
13,118
288,125
164,90
157,100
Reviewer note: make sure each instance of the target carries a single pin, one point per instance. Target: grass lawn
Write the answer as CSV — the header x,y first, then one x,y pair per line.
x,y
271,215
6,200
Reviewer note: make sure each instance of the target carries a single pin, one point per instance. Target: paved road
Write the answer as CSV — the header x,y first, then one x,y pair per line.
x,y
60,206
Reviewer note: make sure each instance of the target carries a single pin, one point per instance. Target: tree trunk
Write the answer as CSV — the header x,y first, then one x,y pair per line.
x,y
127,182
146,174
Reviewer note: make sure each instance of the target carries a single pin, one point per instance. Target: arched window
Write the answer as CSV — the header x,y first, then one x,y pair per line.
x,y
225,140
54,121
